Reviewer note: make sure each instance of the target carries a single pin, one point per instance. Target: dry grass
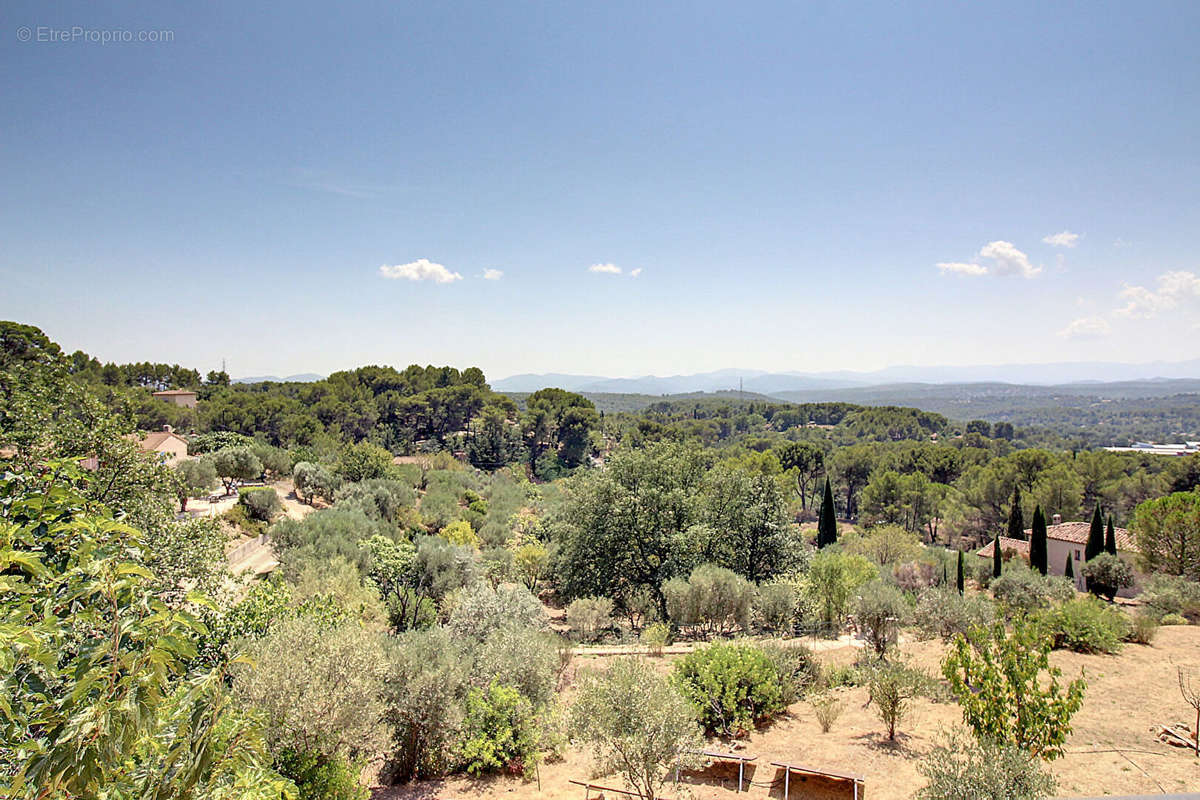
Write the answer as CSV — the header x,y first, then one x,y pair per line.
x,y
1126,695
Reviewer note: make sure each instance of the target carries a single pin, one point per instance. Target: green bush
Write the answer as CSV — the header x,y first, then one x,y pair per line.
x,y
525,658
1020,590
477,610
656,637
1174,619
589,616
1144,628
732,685
499,731
775,607
713,599
318,777
962,767
1172,594
942,612
261,503
1086,625
1107,574
797,667
892,686
880,610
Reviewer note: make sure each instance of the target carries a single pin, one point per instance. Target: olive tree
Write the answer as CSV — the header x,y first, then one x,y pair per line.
x,y
196,476
236,464
635,723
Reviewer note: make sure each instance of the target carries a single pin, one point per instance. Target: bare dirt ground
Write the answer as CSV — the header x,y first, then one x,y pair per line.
x,y
1111,751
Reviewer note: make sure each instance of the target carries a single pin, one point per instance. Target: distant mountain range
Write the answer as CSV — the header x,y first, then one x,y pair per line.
x,y
306,377
775,383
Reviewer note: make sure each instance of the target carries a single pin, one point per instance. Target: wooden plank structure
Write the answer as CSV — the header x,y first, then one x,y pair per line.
x,y
742,761
588,788
857,780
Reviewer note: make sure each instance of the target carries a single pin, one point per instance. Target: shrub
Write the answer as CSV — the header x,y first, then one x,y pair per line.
x,y
635,723
1172,594
656,637
477,610
588,616
460,532
880,610
733,685
499,731
239,517
524,658
319,777
913,576
942,612
363,461
775,607
832,580
797,667
713,598
319,687
1086,625
961,767
1008,691
1174,619
892,685
1020,590
260,503
426,687
827,708
1107,574
1144,628
312,480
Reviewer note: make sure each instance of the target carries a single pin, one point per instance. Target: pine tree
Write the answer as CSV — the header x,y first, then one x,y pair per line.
x,y
1069,569
1095,542
1037,542
827,519
962,585
1016,519
1110,538
997,558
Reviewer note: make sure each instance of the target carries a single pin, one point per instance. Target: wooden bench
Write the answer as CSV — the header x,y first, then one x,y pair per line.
x,y
824,773
742,761
588,788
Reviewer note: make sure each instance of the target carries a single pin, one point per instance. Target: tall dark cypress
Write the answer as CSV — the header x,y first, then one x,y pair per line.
x,y
827,520
962,584
1110,538
997,558
1095,542
1069,569
1037,543
1016,519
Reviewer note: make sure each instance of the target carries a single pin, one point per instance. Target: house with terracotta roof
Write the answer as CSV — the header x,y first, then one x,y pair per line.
x,y
1064,540
169,445
178,397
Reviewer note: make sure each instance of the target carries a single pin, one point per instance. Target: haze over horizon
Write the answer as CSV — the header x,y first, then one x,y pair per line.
x,y
606,190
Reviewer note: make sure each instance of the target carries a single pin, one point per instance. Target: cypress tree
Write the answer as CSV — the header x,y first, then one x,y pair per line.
x,y
962,585
1069,569
945,574
827,519
1095,542
1016,520
1110,538
997,558
1037,543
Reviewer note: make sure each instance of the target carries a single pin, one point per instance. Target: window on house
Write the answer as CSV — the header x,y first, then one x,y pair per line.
x,y
1076,555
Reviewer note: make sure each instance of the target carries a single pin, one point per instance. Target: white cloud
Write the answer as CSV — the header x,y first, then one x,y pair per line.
x,y
1064,239
609,269
1173,289
633,273
962,268
420,270
1009,260
1086,328
493,274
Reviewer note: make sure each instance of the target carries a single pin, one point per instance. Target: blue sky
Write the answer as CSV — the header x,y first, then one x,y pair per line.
x,y
787,178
